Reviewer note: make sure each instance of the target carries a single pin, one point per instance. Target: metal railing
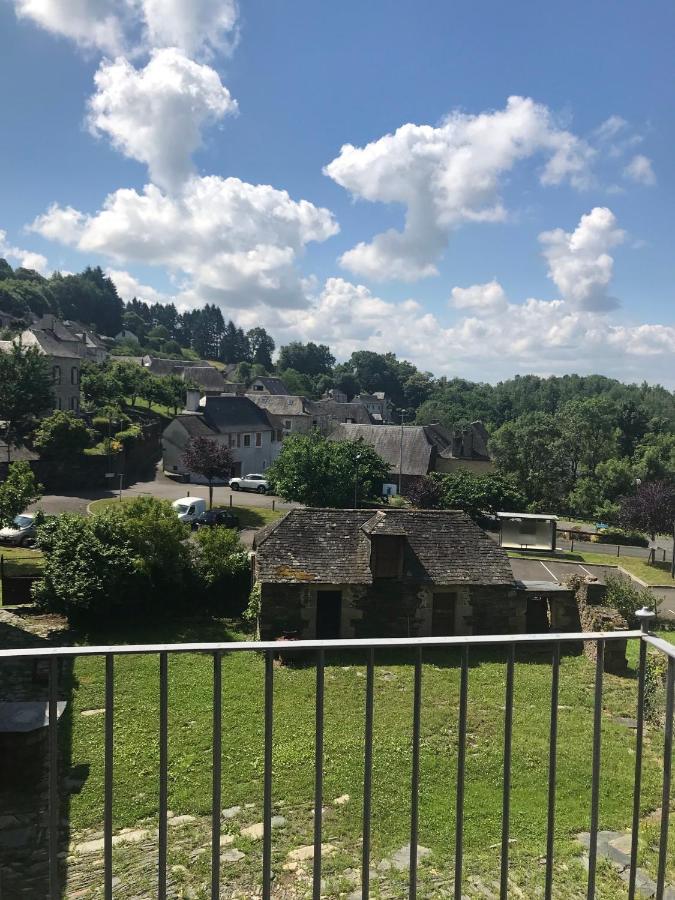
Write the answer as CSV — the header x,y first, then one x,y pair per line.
x,y
318,648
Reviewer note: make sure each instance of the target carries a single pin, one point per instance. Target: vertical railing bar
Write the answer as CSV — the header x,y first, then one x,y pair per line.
x,y
217,773
367,776
108,775
415,779
53,742
506,798
667,771
595,786
267,790
163,772
552,770
461,763
318,775
637,787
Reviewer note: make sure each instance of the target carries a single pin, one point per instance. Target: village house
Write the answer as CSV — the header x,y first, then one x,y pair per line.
x,y
268,384
233,421
341,573
413,451
290,413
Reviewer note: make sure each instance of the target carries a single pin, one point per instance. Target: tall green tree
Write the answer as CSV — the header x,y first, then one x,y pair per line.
x,y
262,347
17,491
307,359
25,391
62,436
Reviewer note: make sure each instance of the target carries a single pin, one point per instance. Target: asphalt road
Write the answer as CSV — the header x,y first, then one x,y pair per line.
x,y
555,571
160,486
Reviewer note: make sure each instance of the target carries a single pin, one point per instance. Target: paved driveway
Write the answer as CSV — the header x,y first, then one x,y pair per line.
x,y
554,571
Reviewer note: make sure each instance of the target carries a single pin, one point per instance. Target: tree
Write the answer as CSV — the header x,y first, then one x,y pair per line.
x,y
209,458
17,490
317,472
307,359
25,391
62,436
478,494
426,493
235,346
650,509
101,384
262,347
222,566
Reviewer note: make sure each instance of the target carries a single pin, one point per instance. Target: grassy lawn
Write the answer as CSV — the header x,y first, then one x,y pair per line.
x,y
249,516
190,749
658,573
17,560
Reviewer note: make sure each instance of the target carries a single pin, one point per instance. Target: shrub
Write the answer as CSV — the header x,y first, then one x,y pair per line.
x,y
627,597
222,568
129,435
621,536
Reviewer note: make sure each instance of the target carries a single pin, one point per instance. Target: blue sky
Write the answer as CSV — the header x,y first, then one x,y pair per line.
x,y
539,229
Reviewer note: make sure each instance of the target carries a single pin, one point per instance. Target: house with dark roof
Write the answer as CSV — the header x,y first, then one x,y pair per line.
x,y
290,413
416,450
340,573
231,420
267,384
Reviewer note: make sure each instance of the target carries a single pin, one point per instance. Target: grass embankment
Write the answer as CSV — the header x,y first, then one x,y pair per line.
x,y
20,560
190,754
657,573
249,516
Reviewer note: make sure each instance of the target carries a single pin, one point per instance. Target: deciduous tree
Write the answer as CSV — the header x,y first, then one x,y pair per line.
x,y
209,458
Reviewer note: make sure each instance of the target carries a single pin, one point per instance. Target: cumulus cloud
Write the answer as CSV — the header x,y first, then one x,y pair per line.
x,y
449,175
579,263
156,114
128,287
233,243
640,169
482,299
198,27
28,259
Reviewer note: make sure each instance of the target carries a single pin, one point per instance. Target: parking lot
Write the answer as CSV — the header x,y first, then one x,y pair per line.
x,y
555,571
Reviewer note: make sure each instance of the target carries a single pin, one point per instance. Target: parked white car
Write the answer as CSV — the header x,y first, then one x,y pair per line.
x,y
250,483
189,508
20,532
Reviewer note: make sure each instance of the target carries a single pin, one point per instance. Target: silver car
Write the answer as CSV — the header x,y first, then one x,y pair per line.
x,y
252,482
20,532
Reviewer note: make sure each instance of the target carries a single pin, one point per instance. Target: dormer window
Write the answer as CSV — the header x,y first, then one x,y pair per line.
x,y
386,555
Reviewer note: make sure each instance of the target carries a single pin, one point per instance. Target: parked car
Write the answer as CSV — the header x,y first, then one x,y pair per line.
x,y
189,508
250,483
21,532
212,517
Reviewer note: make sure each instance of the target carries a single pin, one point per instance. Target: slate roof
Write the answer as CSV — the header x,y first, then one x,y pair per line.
x,y
206,377
272,385
419,444
50,345
231,412
333,409
332,546
280,405
194,425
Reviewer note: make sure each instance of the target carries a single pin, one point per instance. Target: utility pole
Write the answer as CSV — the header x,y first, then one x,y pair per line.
x,y
400,456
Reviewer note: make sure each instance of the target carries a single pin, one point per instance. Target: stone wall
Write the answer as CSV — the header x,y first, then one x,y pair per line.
x,y
594,616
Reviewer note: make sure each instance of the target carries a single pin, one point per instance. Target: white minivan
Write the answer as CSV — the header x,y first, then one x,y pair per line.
x,y
189,508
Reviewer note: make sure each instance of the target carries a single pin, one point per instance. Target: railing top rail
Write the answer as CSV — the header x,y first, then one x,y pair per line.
x,y
348,644
660,644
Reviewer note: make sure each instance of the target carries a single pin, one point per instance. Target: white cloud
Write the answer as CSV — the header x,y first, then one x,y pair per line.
x,y
198,27
233,243
640,169
449,175
129,287
544,337
482,299
156,114
610,128
579,264
27,259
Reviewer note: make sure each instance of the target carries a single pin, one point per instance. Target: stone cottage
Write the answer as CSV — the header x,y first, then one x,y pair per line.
x,y
341,573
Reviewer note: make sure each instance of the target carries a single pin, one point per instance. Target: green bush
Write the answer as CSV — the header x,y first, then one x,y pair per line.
x,y
129,435
627,597
621,536
222,569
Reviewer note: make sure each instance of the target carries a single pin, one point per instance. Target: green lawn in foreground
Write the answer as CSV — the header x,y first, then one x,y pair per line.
x,y
190,749
658,573
249,516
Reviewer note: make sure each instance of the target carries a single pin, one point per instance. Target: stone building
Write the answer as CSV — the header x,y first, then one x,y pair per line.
x,y
330,573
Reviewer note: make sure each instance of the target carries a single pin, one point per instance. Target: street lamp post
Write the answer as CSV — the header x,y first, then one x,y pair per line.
x,y
356,480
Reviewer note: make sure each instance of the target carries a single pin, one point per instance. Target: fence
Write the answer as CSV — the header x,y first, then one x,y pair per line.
x,y
17,574
317,650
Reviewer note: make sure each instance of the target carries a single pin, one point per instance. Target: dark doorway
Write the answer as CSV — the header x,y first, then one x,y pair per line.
x,y
443,614
536,615
328,614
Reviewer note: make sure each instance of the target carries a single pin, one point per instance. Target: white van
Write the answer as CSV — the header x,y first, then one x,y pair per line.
x,y
188,508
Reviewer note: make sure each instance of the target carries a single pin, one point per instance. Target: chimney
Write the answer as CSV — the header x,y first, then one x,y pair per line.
x,y
192,400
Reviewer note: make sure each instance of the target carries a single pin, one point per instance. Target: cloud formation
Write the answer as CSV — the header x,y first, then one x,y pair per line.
x,y
640,170
232,243
27,259
449,175
197,27
579,263
156,114
129,287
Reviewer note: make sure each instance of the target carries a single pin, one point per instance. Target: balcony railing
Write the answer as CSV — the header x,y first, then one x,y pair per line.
x,y
315,651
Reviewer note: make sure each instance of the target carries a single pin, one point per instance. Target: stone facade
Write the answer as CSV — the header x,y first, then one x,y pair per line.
x,y
391,609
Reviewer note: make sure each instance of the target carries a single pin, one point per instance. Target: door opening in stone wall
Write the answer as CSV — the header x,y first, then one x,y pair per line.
x,y
537,618
443,614
328,615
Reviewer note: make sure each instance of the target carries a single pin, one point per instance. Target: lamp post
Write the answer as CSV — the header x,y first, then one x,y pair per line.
x,y
400,456
356,480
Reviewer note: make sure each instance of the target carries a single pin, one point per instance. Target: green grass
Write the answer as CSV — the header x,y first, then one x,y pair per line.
x,y
190,750
657,573
18,560
249,516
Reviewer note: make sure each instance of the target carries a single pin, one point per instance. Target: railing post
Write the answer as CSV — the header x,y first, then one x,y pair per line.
x,y
637,786
667,771
506,799
267,789
108,776
461,762
217,774
415,786
318,775
367,776
595,785
53,742
163,772
552,768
